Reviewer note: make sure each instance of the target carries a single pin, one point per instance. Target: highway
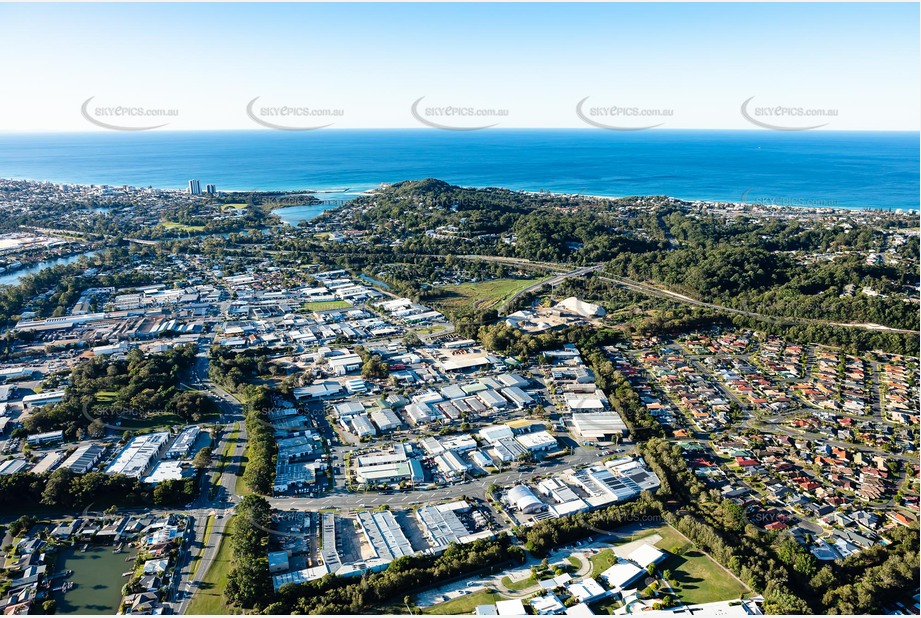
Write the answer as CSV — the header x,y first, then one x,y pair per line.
x,y
651,290
556,280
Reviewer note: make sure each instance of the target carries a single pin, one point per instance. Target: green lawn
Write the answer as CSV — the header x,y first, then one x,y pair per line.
x,y
327,305
155,421
698,579
240,487
602,561
464,604
519,585
106,396
173,225
606,606
162,420
235,206
481,295
209,597
695,577
671,539
606,558
430,330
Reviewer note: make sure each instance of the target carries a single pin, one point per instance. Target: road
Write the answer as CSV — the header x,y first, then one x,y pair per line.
x,y
340,498
650,290
645,288
217,502
773,425
579,272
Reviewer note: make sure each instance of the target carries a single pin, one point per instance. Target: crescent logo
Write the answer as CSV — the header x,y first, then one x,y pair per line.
x,y
609,127
278,127
773,127
84,109
415,112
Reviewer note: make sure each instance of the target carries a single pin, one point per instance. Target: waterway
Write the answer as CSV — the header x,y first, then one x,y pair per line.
x,y
97,580
293,215
380,284
14,277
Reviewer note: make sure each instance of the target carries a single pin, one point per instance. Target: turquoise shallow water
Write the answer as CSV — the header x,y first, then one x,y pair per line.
x,y
812,168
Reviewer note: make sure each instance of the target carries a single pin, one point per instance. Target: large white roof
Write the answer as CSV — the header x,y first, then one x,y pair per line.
x,y
646,554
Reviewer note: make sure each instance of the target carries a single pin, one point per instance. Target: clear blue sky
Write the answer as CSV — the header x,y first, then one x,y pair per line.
x,y
536,60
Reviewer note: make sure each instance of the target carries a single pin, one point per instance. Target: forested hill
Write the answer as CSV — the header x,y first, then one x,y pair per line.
x,y
432,215
839,266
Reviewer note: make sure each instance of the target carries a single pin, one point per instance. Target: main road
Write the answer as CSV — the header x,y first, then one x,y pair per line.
x,y
216,494
472,488
566,271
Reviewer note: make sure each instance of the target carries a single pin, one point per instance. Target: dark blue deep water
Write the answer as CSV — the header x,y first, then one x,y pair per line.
x,y
812,168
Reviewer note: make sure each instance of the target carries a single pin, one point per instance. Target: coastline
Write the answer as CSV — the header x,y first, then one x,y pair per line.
x,y
377,186
707,202
853,171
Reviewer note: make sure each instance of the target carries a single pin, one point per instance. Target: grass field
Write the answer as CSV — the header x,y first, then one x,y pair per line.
x,y
238,206
209,597
695,576
157,421
180,227
464,604
164,419
482,295
327,305
430,330
606,558
698,579
106,396
671,539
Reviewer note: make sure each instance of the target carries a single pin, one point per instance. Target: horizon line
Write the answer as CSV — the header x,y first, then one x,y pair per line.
x,y
431,130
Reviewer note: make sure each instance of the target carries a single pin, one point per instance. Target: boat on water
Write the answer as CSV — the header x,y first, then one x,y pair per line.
x,y
85,546
127,573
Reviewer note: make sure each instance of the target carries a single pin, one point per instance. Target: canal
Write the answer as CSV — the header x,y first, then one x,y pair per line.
x,y
97,580
14,277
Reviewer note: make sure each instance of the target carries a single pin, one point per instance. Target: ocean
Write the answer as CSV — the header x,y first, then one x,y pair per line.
x,y
810,168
